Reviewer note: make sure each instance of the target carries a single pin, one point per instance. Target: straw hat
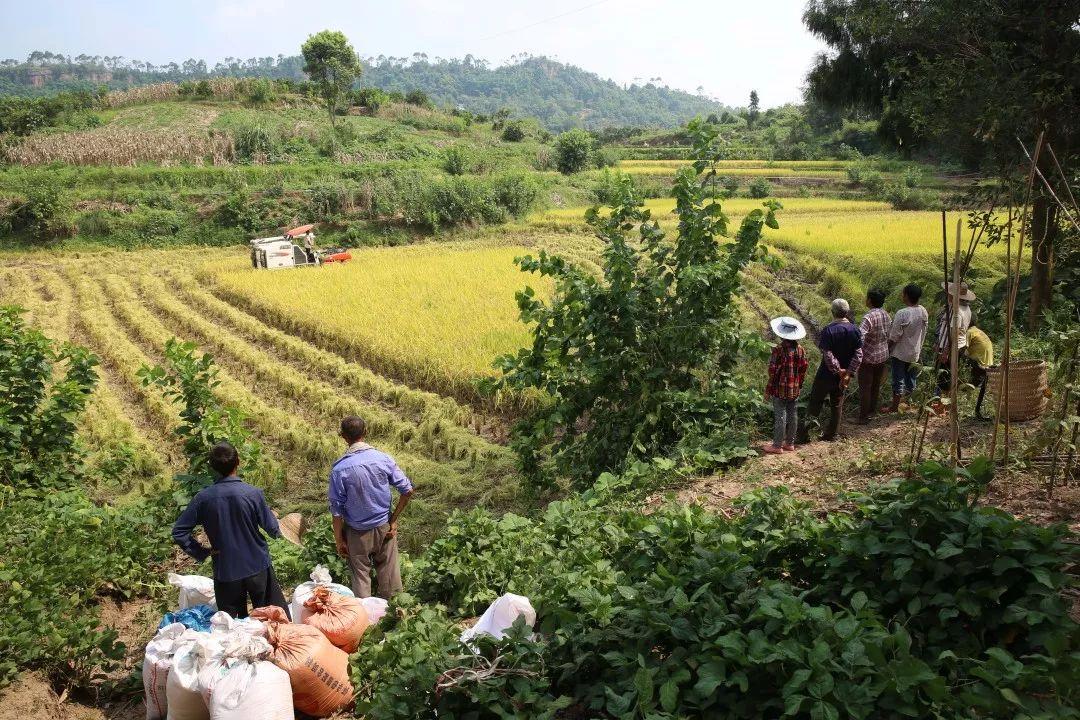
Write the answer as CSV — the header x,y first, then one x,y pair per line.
x,y
788,328
965,292
292,528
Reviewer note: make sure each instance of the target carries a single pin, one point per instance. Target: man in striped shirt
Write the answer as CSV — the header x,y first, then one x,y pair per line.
x,y
875,336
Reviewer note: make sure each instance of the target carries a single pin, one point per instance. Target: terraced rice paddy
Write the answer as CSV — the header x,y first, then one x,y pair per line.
x,y
292,391
743,168
399,336
436,314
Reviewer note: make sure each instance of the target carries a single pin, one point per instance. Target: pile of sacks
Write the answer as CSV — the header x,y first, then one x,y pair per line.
x,y
259,667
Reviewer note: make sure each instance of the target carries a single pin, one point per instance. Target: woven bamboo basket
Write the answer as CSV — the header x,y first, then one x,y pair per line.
x,y
1028,388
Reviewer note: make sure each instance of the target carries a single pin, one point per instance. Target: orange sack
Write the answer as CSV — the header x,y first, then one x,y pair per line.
x,y
341,619
318,671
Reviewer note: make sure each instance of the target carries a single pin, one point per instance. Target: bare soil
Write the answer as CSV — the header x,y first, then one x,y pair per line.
x,y
867,454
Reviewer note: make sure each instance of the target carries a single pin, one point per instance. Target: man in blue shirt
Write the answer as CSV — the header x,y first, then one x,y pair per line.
x,y
233,514
360,503
841,354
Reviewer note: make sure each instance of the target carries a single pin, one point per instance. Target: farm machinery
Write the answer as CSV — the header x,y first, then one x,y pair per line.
x,y
283,251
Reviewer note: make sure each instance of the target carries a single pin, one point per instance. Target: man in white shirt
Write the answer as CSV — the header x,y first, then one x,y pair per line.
x,y
906,336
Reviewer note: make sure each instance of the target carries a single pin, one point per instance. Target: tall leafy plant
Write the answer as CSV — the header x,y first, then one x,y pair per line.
x,y
44,388
638,362
189,380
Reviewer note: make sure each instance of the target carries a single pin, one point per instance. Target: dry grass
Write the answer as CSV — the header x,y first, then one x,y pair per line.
x,y
122,146
222,89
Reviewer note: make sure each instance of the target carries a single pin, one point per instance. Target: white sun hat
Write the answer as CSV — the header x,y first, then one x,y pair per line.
x,y
788,328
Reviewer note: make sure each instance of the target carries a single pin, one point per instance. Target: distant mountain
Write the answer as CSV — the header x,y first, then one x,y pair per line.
x,y
559,95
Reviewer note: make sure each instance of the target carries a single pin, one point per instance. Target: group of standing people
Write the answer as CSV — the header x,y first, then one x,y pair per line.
x,y
880,343
237,520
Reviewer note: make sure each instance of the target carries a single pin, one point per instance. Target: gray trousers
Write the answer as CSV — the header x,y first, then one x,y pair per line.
x,y
785,421
372,548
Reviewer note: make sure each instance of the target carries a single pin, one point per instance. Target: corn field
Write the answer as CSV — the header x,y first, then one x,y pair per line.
x,y
220,88
122,146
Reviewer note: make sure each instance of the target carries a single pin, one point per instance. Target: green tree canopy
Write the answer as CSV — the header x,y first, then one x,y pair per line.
x,y
966,78
332,64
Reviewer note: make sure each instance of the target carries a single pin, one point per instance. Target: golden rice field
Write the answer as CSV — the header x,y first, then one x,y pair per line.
x,y
399,336
435,314
742,168
293,392
662,209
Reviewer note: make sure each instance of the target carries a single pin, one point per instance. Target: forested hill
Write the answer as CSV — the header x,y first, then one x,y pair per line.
x,y
559,95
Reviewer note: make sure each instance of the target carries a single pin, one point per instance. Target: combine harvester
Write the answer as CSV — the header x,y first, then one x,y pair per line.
x,y
275,253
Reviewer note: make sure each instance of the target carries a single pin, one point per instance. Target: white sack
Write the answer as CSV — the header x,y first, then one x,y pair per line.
x,y
156,664
500,616
320,577
194,590
183,690
251,691
375,607
222,623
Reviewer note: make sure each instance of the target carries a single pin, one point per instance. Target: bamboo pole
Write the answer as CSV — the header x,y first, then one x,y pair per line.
x,y
922,419
1008,328
1071,375
954,352
1003,397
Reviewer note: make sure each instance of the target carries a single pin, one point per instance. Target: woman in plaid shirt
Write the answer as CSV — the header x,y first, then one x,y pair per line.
x,y
875,333
787,370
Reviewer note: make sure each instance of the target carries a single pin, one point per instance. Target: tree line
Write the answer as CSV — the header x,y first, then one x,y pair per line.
x,y
559,95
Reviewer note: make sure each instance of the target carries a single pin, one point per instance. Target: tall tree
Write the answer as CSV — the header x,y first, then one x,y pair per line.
x,y
333,65
754,110
970,77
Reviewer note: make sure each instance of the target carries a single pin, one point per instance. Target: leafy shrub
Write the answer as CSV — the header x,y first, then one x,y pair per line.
x,y
260,91
573,151
653,293
253,143
514,131
370,97
605,157
609,186
854,173
419,98
517,193
45,213
60,550
903,197
95,223
730,184
874,182
456,160
919,603
327,200
238,211
759,188
912,177
188,380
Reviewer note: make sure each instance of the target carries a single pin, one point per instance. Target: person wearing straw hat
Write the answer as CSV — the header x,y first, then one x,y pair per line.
x,y
787,371
841,354
944,335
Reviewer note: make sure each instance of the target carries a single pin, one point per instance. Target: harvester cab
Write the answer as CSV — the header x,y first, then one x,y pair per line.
x,y
290,250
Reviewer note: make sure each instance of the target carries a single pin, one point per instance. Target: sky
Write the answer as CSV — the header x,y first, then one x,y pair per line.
x,y
725,47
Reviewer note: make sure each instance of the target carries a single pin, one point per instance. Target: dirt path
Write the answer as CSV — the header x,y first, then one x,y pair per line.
x,y
878,452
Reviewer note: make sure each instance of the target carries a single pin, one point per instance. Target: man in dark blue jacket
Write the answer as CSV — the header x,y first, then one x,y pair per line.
x,y
233,514
840,343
